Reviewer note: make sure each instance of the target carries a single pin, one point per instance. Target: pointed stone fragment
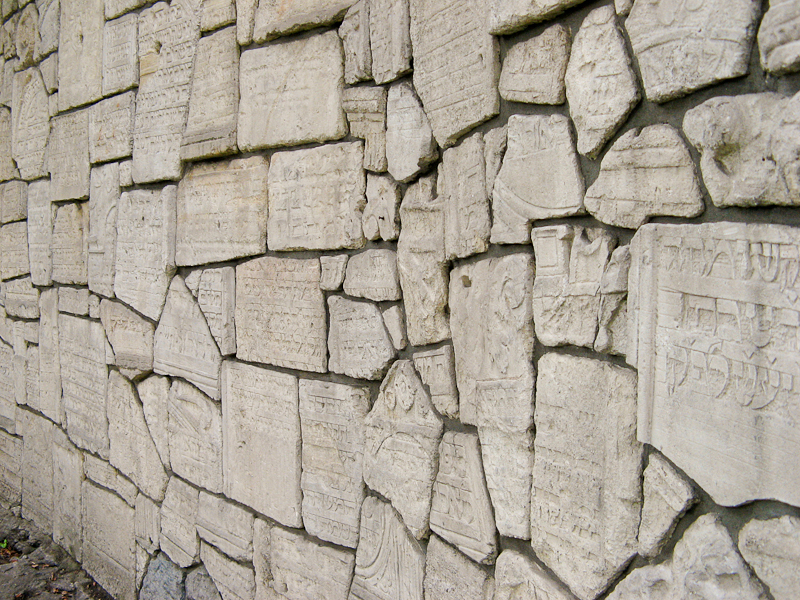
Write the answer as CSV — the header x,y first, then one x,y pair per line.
x,y
178,517
216,295
449,575
154,393
234,580
358,343
437,370
517,576
130,336
772,548
410,146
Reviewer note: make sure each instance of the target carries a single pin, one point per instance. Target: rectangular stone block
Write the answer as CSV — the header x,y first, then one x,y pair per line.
x,y
216,14
103,474
178,521
111,128
71,244
273,19
372,274
13,201
10,469
358,341
37,468
68,156
51,402
216,295
389,38
14,250
366,112
130,336
115,8
73,300
21,298
120,54
41,216
354,32
80,53
225,525
67,481
104,194
31,120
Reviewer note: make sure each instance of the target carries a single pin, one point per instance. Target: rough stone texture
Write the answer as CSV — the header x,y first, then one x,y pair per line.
x,y
111,128
778,37
22,299
120,54
74,300
102,473
147,525
67,480
13,250
225,525
104,194
200,586
508,16
772,548
437,370
390,39
8,409
13,201
68,156
402,443
10,468
37,469
703,43
277,107
51,403
80,54
153,393
366,112
163,580
516,576
30,126
646,173
8,169
354,32
381,219
332,422
584,520
333,272
71,244
216,295
449,575
372,274
178,517
233,580
394,318
274,18
533,70
26,34
410,146
358,343
130,336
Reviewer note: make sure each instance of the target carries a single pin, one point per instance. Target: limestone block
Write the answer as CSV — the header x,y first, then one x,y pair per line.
x,y
516,576
147,523
27,35
461,511
389,39
332,424
71,244
394,319
277,106
464,94
126,173
51,402
142,563
449,575
274,18
178,518
67,479
8,408
772,548
647,172
37,468
743,280
216,296
508,16
102,473
94,306
200,586
584,519
358,343
10,467
436,368
410,146
365,107
22,299
422,264
612,325
778,37
163,580
262,559
216,14
115,8
49,18
49,70
13,201
667,497
390,563
84,380
540,177
354,32
316,198
214,99
104,194
31,122
80,53
73,300
234,581
14,250
381,218
194,432
534,69
281,302
145,250
153,393
262,441
333,272
704,564
111,128
8,169
225,525
120,54
704,43
168,36
231,195
372,274
109,553
402,439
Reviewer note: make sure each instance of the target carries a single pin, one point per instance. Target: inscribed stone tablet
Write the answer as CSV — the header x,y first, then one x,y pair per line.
x,y
68,156
772,548
316,198
233,580
71,244
449,575
464,94
381,218
436,368
14,250
145,251
216,296
410,146
333,272
390,39
508,16
534,69
73,300
358,342
8,169
275,17
332,421
778,37
178,518
111,128
130,336
230,195
49,12
216,14
291,93
354,32
26,35
13,201
245,17
280,301
103,197
67,480
49,69
31,122
120,54
366,112
517,576
720,299
372,274
214,99
226,525
80,53
8,407
153,392
51,402
262,441
10,468
22,299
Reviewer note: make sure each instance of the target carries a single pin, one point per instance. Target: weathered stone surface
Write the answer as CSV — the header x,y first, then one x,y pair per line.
x,y
508,16
274,18
410,146
145,255
540,177
332,422
73,300
354,32
14,250
200,586
516,576
214,99
163,580
533,70
49,13
111,128
102,473
366,112
126,173
154,392
108,541
50,393
8,408
10,467
262,560
104,193
389,39
80,53
316,198
449,575
49,70
147,523
333,272
13,201
778,37
120,54
281,302
464,94
178,517
772,548
216,14
358,343
390,563
67,479
234,581
71,244
26,35
231,195
394,318
168,36
262,427
372,274
8,168
225,525
37,468
277,106
381,218
646,173
194,432
31,122
22,299
587,467
436,368
216,295
703,44
612,330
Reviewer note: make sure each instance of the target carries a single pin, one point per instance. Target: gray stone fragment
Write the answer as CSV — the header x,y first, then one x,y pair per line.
x,y
234,580
449,575
533,70
163,580
772,548
779,37
200,586
394,318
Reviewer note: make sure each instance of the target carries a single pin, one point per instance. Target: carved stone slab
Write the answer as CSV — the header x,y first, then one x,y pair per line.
x,y
366,112
104,193
67,480
354,32
216,296
333,272
37,468
508,16
494,148
120,54
410,146
147,524
102,473
316,198
10,467
26,34
233,580
381,216
517,576
154,392
275,18
14,250
13,201
178,518
22,299
332,421
394,318
702,44
449,575
80,53
51,400
437,370
540,177
71,244
262,441
73,300
718,298
277,106
390,39
145,255
464,94
281,302
31,122
772,548
8,408
225,525
587,494
372,274
111,128
130,336
216,14
533,70
358,343
231,194
68,156
8,169
778,36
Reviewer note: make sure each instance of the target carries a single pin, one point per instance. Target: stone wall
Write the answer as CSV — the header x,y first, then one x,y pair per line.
x,y
404,299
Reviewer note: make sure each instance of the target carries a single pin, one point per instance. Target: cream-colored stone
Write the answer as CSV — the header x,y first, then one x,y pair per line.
x,y
516,576
372,274
14,259
49,70
41,215
30,127
8,408
26,35
73,300
111,128
115,8
274,18
13,201
358,343
366,113
22,299
120,54
126,173
178,523
49,13
68,156
534,69
10,468
216,295
225,525
154,395
410,146
80,53
508,16
381,219
102,473
51,398
8,168
354,32
778,37
37,468
772,548
333,272
216,14
389,39
147,523
449,575
437,370
394,319
104,193
71,244
234,580
67,480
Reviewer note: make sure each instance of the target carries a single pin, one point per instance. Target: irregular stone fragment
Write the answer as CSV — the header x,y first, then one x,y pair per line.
x,y
332,422
533,70
71,244
13,201
49,69
262,427
366,112
195,436
10,468
316,198
410,146
31,122
772,548
225,525
80,52
73,300
274,18
163,580
142,563
667,497
234,581
126,173
147,526
111,128
37,468
216,296
436,368
612,325
67,480
584,519
778,37
281,302
216,14
200,586
8,168
104,193
222,211
508,16
51,402
49,18
120,54
381,218
178,517
22,299
394,318
358,343
449,575
102,473
26,35
154,392
277,107
390,563
372,274
333,272
354,32
245,18
14,250
214,99
516,576
703,44
540,177
145,255
389,39
8,408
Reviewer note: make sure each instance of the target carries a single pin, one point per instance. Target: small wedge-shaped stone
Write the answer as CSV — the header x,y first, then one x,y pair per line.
x,y
517,576
333,272
358,343
226,525
402,446
366,112
216,295
508,16
80,53
234,580
178,518
394,318
41,216
14,259
449,575
410,146
111,128
779,37
533,70
104,194
30,126
354,32
372,274
274,18
37,468
154,394
120,54
390,39
381,218
147,525
67,481
437,370
71,244
646,173
772,548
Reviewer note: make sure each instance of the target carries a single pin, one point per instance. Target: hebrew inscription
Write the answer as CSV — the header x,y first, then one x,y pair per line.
x,y
372,274
111,128
358,343
104,194
31,122
80,52
534,70
120,54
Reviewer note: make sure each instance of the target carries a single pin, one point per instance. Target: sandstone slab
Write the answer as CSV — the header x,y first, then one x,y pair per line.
x,y
449,575
13,201
225,525
80,52
178,517
381,218
772,548
21,298
354,32
334,269
274,18
106,476
389,39
147,523
778,38
372,274
67,480
216,295
533,70
120,54
508,16
37,469
410,146
234,580
517,576
365,107
51,402
154,395
437,370
68,156
358,343
111,128
71,244
31,122
14,259
73,300
104,194
10,468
